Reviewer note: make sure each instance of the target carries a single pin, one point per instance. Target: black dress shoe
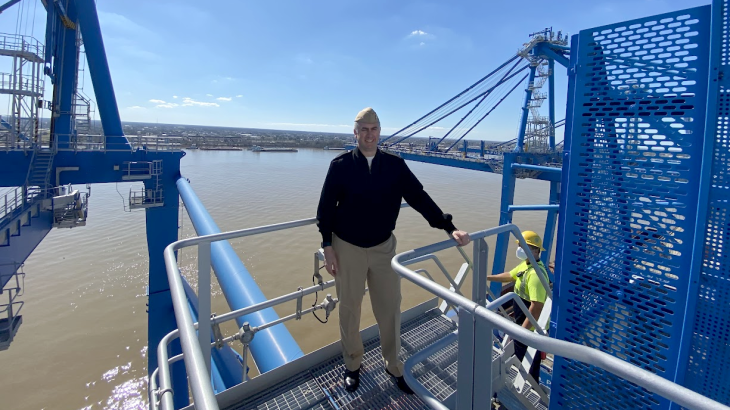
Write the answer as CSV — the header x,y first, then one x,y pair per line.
x,y
352,380
400,381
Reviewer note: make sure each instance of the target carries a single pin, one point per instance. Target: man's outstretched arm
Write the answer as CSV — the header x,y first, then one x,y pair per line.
x,y
419,200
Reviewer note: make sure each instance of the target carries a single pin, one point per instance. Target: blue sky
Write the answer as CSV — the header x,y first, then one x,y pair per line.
x,y
312,65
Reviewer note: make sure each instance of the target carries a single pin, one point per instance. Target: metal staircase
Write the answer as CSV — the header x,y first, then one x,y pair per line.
x,y
82,114
39,172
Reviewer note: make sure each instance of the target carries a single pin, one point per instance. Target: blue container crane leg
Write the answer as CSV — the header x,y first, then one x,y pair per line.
x,y
65,71
519,147
550,223
551,103
271,347
101,78
162,226
505,217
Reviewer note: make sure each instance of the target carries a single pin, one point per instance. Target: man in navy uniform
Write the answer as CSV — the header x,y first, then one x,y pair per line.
x,y
357,212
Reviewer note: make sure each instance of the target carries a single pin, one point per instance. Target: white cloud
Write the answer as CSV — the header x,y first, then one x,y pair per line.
x,y
189,102
239,96
167,105
174,96
224,98
157,101
419,38
135,107
208,95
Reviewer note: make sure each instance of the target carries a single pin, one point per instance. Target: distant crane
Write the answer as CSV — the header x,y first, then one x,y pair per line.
x,y
532,154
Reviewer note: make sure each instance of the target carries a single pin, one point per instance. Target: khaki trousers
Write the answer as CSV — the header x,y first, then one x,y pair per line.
x,y
358,265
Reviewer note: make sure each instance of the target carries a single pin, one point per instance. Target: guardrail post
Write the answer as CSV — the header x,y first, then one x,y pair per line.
x,y
480,260
474,371
465,366
204,296
483,342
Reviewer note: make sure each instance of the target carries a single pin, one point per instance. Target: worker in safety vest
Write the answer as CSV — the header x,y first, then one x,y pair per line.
x,y
530,289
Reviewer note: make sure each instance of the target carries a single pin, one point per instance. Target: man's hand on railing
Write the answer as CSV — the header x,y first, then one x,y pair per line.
x,y
330,261
461,237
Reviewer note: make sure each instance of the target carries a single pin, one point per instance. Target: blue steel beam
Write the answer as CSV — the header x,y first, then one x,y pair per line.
x,y
546,51
8,5
551,207
525,111
541,168
63,15
505,217
551,102
65,71
271,347
100,76
161,225
550,224
51,23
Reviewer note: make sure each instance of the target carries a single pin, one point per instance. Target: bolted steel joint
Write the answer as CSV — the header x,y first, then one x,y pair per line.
x,y
246,334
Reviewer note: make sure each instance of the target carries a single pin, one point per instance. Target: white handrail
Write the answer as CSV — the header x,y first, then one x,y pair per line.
x,y
486,318
195,364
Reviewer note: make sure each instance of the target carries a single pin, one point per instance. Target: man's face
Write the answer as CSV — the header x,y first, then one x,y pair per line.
x,y
368,137
535,251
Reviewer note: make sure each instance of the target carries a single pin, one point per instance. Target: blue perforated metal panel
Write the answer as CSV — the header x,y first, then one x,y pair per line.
x,y
708,365
628,219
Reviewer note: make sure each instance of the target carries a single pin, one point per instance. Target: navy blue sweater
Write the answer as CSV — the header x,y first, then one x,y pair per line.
x,y
360,204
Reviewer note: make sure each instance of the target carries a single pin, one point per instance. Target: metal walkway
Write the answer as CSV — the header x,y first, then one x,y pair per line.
x,y
321,387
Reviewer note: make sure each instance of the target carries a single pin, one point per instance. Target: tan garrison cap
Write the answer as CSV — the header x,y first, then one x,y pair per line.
x,y
367,116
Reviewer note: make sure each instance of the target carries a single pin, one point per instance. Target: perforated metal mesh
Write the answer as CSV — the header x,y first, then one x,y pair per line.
x,y
298,392
322,388
709,357
438,373
508,396
377,389
635,161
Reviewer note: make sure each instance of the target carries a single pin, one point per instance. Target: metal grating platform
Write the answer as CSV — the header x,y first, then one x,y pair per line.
x,y
634,170
299,392
322,388
377,389
508,397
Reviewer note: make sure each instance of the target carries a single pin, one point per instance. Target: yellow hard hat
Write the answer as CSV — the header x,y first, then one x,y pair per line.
x,y
532,238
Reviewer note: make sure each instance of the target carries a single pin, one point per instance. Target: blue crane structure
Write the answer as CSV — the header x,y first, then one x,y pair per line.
x,y
638,194
43,167
532,154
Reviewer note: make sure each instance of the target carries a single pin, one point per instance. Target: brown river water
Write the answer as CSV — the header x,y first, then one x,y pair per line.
x,y
83,342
